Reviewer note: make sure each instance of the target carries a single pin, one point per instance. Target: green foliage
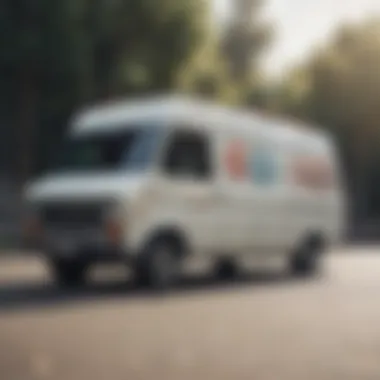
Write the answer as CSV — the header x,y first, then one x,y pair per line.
x,y
339,88
141,44
205,74
225,66
344,88
243,42
58,55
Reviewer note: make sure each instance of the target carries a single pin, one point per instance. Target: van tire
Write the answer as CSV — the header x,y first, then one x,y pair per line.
x,y
69,273
225,269
159,265
305,262
303,267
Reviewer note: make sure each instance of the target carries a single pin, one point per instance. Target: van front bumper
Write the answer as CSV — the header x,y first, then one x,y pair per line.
x,y
80,251
93,254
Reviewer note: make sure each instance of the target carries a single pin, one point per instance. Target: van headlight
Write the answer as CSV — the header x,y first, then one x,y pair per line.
x,y
114,225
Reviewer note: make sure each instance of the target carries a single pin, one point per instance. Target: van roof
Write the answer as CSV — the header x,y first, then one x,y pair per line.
x,y
116,114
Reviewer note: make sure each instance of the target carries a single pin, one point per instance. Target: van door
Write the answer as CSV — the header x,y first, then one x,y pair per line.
x,y
233,214
262,197
268,197
255,198
187,185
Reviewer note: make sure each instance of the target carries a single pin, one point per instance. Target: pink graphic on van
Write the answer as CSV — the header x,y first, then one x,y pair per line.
x,y
312,173
236,160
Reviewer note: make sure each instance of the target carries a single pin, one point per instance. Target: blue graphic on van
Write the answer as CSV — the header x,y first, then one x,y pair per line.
x,y
263,167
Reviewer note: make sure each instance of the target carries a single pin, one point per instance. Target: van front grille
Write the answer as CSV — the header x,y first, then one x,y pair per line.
x,y
66,215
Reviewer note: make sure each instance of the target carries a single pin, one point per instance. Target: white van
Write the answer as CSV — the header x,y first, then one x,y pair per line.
x,y
156,182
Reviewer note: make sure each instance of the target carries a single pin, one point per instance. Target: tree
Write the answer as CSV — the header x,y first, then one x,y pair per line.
x,y
342,93
58,55
30,63
205,73
141,45
243,42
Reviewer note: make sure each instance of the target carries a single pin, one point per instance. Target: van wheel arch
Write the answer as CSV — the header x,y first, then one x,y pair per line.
x,y
306,256
172,235
312,240
159,263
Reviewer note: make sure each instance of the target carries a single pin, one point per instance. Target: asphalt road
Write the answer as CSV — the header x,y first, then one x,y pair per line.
x,y
262,326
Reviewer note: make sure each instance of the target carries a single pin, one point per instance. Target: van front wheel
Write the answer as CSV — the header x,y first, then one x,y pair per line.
x,y
68,272
159,266
226,269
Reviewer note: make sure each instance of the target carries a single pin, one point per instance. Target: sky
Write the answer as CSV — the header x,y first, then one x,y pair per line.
x,y
301,25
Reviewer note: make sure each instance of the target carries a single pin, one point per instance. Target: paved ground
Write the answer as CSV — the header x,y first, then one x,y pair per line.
x,y
264,326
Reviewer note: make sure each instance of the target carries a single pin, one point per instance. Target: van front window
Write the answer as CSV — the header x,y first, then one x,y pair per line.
x,y
132,149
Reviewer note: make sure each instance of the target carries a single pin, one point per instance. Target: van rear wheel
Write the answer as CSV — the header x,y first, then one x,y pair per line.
x,y
303,267
305,261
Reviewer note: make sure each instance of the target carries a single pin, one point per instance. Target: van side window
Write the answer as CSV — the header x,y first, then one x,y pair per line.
x,y
188,155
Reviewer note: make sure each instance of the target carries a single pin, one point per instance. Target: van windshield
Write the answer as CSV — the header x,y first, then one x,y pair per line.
x,y
131,149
